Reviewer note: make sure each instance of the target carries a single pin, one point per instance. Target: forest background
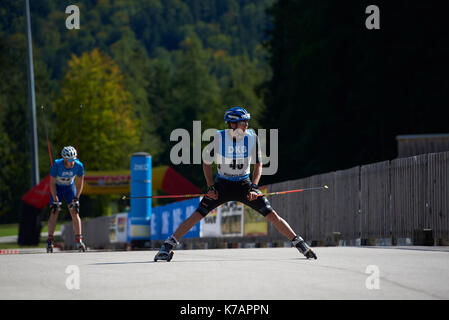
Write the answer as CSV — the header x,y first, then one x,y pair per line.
x,y
338,92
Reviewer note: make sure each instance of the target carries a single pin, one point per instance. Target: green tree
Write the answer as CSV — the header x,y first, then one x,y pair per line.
x,y
179,60
14,127
195,89
108,132
345,91
129,52
240,84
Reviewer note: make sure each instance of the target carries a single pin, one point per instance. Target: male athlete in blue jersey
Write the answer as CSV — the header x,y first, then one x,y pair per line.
x,y
62,185
235,149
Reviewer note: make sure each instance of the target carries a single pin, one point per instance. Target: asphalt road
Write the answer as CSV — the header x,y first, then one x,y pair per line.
x,y
236,274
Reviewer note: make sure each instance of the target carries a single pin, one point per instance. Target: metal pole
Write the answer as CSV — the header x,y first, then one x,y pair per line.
x,y
32,103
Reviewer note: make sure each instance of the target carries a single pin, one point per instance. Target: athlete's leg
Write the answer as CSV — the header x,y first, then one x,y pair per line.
x,y
206,205
52,220
187,224
263,206
281,225
54,212
76,221
69,195
284,228
165,252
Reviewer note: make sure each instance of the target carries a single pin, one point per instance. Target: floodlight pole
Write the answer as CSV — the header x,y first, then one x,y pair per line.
x,y
31,103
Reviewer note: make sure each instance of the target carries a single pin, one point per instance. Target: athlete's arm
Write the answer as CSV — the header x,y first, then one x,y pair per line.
x,y
257,173
257,169
53,189
207,170
79,186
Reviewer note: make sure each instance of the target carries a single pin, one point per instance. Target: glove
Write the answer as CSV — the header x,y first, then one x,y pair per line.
x,y
75,204
253,188
56,206
212,188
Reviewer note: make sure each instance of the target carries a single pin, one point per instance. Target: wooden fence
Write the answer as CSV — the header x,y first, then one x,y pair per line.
x,y
391,199
412,145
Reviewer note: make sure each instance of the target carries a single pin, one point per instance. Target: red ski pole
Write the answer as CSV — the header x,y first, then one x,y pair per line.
x,y
204,194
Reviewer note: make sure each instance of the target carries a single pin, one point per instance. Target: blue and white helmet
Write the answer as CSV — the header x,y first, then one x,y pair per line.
x,y
236,114
69,153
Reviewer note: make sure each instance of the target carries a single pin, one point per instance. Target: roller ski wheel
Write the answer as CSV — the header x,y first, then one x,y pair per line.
x,y
164,256
50,246
302,247
81,247
310,254
165,252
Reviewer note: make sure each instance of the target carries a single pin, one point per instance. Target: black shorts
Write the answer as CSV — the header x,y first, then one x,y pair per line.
x,y
234,191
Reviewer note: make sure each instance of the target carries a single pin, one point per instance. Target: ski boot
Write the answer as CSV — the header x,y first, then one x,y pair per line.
x,y
80,246
50,245
165,252
302,247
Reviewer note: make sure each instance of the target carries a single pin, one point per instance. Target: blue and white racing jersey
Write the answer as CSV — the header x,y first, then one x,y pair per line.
x,y
234,156
64,176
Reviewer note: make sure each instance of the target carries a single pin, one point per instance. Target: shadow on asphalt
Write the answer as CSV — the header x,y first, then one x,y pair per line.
x,y
192,261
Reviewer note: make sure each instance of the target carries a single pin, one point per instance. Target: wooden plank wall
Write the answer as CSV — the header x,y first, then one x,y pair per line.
x,y
416,146
438,194
375,209
347,203
408,195
388,199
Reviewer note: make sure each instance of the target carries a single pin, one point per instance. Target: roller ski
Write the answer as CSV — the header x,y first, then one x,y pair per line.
x,y
50,245
166,251
302,247
54,209
80,246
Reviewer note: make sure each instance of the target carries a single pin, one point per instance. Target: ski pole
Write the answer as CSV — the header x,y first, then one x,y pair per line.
x,y
205,194
290,191
167,196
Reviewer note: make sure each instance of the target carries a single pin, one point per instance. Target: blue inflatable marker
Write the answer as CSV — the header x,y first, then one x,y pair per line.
x,y
139,216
